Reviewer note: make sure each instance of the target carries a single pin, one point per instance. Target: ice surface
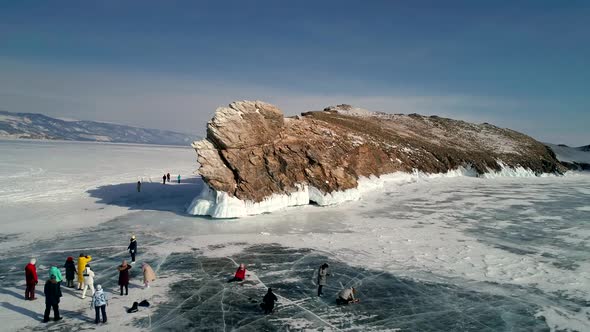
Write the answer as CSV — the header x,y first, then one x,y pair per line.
x,y
446,253
206,301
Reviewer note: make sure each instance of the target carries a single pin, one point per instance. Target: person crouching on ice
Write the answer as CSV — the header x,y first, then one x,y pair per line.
x,y
148,274
240,274
346,296
268,302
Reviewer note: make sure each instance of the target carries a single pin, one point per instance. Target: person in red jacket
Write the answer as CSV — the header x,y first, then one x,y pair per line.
x,y
240,274
31,277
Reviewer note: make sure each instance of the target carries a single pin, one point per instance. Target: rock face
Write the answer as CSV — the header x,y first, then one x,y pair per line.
x,y
252,155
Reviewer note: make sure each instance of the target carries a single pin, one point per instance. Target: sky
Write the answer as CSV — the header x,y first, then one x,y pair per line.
x,y
523,65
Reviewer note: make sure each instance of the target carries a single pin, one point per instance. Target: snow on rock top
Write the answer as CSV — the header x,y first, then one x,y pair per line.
x,y
252,159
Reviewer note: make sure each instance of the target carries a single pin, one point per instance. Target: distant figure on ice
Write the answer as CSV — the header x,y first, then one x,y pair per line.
x,y
240,274
178,178
322,278
31,278
70,271
164,179
346,296
268,302
168,177
124,276
148,274
99,302
82,261
132,248
52,294
88,281
138,186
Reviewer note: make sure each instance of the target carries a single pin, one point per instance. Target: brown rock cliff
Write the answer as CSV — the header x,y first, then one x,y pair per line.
x,y
252,152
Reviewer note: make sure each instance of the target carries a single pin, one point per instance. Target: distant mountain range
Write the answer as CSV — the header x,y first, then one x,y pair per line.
x,y
577,158
39,126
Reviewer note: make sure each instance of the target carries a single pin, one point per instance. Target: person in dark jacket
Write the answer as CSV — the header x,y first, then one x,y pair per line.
x,y
31,278
132,248
164,179
138,186
168,177
322,278
70,267
124,276
52,294
268,302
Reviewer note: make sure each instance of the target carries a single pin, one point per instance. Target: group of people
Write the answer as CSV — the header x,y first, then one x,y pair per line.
x,y
268,301
166,177
85,274
345,296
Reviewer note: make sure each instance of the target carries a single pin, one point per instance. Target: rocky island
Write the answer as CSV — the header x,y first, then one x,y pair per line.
x,y
255,160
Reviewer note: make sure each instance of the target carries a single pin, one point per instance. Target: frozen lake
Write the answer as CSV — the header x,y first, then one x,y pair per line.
x,y
446,254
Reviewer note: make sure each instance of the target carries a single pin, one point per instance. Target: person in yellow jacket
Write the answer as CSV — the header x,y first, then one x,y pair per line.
x,y
82,261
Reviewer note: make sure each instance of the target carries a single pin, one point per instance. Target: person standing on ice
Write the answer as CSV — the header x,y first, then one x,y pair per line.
x,y
268,302
178,178
132,248
124,277
99,302
52,294
31,279
54,271
240,274
322,278
164,179
70,272
82,261
148,274
88,281
138,186
168,177
346,296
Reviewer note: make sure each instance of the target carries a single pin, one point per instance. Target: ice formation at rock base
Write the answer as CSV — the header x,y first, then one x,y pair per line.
x,y
219,204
